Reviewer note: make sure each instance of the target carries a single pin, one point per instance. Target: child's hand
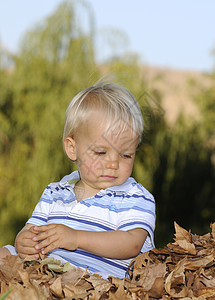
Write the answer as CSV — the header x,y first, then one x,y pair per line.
x,y
55,236
25,246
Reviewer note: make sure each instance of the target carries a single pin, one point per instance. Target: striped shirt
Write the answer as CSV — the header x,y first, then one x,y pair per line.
x,y
123,207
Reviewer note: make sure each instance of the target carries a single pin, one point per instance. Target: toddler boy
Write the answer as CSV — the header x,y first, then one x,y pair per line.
x,y
97,217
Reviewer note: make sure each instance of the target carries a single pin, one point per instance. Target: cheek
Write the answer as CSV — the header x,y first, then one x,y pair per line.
x,y
91,163
127,167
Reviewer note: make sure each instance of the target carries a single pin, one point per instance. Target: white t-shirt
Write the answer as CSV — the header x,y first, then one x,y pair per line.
x,y
124,207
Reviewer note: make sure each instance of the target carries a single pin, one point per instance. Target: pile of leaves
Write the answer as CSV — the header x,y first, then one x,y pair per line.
x,y
184,269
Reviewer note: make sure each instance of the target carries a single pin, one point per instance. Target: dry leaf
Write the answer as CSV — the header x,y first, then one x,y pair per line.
x,y
184,269
207,292
56,287
146,276
187,246
99,284
212,226
181,233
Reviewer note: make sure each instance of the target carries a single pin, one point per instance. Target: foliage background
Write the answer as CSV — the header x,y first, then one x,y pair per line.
x,y
56,60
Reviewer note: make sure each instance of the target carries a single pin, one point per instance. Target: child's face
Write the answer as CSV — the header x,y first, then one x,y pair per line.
x,y
104,157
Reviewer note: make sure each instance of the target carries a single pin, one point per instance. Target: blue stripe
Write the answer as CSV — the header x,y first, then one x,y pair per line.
x,y
91,223
135,223
142,209
38,218
100,258
119,209
126,196
81,221
46,200
57,199
140,196
87,254
83,202
75,263
57,218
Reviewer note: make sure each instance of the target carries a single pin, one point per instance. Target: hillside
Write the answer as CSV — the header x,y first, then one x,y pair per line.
x,y
177,89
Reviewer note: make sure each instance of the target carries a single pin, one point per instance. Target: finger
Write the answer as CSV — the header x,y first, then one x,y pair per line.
x,y
27,249
27,243
49,248
44,227
44,243
27,235
24,255
32,230
47,245
45,234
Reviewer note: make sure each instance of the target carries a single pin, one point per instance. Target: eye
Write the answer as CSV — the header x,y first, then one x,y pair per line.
x,y
100,152
126,155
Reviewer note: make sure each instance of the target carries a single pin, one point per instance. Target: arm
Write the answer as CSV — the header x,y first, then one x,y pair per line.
x,y
113,244
24,244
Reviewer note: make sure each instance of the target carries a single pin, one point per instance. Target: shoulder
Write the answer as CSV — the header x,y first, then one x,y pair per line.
x,y
66,183
138,198
137,191
62,190
55,188
131,189
131,196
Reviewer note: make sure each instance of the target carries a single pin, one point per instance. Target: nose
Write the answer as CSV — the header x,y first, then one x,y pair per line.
x,y
112,164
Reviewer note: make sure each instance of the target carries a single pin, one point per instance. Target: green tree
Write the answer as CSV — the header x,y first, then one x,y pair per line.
x,y
183,182
56,61
179,161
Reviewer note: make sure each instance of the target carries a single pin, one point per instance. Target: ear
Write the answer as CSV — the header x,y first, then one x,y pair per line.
x,y
70,148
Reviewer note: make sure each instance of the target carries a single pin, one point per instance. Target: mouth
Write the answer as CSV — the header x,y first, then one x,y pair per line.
x,y
108,177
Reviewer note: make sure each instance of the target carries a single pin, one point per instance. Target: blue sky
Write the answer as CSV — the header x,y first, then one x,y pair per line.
x,y
169,33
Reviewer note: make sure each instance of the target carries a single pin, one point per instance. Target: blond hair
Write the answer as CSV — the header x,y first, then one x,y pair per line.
x,y
118,105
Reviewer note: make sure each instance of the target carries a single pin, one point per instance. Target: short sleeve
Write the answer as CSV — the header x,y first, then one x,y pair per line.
x,y
139,212
41,212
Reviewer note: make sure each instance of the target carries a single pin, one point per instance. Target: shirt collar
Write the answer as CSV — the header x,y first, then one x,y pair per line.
x,y
124,187
74,177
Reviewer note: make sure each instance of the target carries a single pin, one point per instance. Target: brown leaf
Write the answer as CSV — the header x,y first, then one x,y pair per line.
x,y
140,261
56,287
175,281
4,287
157,289
181,233
183,269
187,246
146,276
207,292
99,284
79,292
174,247
94,295
199,262
117,281
73,276
24,277
121,293
212,226
9,268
